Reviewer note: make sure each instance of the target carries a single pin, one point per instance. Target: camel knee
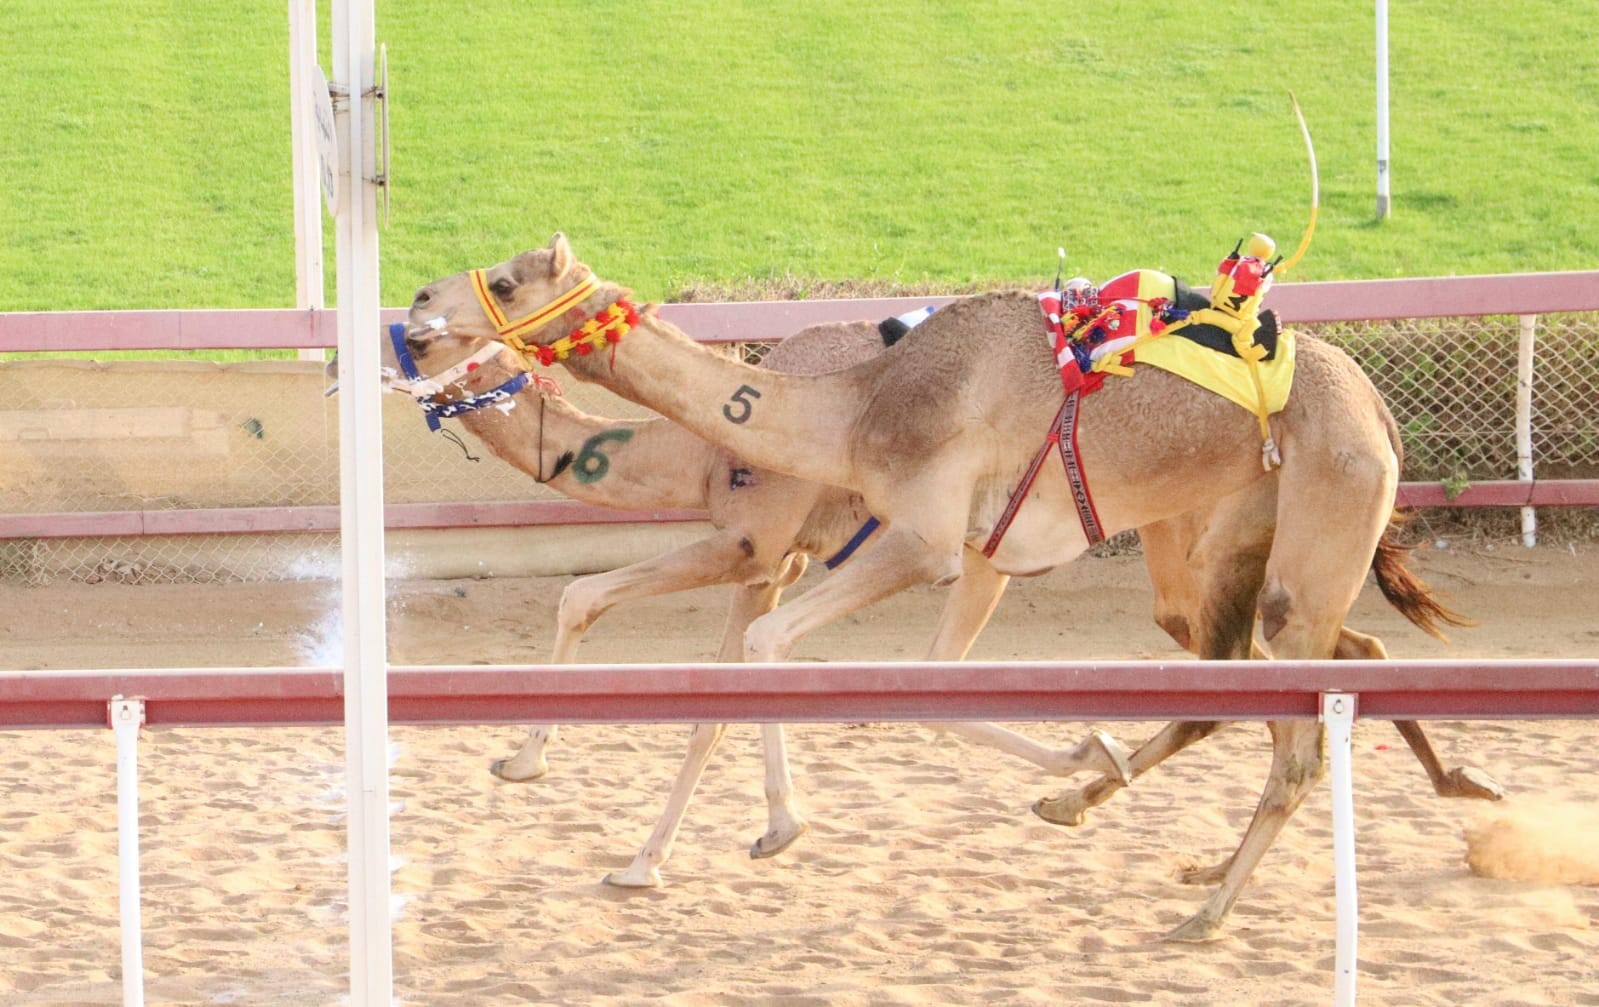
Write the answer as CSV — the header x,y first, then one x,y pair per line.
x,y
1176,627
1353,646
581,604
1275,605
766,640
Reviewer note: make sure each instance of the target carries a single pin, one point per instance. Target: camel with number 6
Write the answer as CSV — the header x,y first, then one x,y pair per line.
x,y
934,433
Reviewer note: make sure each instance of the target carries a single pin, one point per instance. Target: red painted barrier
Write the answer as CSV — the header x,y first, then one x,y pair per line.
x,y
750,321
821,692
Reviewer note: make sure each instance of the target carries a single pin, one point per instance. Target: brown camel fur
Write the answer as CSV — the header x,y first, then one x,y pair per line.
x,y
933,433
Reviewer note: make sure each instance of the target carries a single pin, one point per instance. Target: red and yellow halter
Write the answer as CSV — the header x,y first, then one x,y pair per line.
x,y
608,326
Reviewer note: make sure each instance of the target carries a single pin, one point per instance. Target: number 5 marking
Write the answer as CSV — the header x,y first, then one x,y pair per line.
x,y
743,396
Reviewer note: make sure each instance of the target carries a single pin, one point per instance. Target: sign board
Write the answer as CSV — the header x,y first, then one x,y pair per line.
x,y
327,141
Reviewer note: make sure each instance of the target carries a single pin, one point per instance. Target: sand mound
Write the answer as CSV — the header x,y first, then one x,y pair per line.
x,y
1556,843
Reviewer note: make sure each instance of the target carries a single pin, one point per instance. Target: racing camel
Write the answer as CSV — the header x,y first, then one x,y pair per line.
x,y
1206,568
934,433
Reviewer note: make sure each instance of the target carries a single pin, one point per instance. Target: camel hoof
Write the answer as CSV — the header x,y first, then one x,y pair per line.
x,y
1203,875
1196,930
1120,768
633,878
773,843
1067,809
1469,781
507,771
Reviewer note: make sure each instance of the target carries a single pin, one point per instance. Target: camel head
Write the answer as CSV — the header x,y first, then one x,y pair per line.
x,y
531,302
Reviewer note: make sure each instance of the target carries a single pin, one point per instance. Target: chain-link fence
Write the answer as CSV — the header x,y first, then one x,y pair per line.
x,y
81,436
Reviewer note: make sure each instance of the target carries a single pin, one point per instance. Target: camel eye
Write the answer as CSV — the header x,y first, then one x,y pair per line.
x,y
503,288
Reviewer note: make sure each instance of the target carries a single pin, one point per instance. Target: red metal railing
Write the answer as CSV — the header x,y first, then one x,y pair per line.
x,y
1525,293
822,692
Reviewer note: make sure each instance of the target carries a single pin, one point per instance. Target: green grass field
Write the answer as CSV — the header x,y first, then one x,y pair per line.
x,y
145,160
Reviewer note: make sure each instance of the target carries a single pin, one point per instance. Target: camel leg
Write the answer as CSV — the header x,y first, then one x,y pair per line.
x,y
644,871
1071,807
784,824
709,561
967,609
1297,763
1462,781
1205,568
1317,565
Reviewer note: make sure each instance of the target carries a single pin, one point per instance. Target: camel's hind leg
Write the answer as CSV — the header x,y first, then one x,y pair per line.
x,y
784,824
1205,568
1462,781
713,560
967,609
1318,563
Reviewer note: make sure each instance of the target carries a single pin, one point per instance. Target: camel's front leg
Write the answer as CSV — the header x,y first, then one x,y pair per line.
x,y
1071,807
900,560
644,871
967,609
1297,763
784,823
709,561
529,762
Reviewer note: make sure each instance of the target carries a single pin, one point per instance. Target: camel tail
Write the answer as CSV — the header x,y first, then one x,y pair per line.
x,y
1407,592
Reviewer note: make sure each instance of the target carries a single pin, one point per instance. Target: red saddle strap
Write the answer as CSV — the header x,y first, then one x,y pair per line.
x,y
1063,435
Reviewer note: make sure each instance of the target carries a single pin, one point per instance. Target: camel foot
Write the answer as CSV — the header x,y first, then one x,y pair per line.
x,y
1067,809
1116,757
1211,875
1469,781
511,771
634,877
1201,927
775,841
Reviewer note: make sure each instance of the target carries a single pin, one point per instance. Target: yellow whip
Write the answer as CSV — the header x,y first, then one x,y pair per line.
x,y
1315,192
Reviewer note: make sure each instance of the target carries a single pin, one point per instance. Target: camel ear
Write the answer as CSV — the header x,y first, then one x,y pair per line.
x,y
561,257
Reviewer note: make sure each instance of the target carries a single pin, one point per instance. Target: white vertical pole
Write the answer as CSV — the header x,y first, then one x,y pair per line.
x,y
307,181
1524,353
1338,714
361,512
1382,109
127,716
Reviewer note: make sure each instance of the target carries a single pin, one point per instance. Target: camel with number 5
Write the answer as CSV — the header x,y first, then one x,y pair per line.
x,y
936,432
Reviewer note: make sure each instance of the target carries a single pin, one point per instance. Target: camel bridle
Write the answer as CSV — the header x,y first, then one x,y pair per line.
x,y
608,325
425,390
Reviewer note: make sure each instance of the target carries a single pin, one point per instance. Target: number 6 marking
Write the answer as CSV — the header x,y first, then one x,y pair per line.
x,y
742,397
591,463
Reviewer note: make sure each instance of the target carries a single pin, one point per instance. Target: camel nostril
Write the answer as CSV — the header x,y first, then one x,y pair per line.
x,y
423,296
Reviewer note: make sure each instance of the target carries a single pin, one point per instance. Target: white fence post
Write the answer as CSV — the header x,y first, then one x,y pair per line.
x,y
126,716
1338,714
1524,353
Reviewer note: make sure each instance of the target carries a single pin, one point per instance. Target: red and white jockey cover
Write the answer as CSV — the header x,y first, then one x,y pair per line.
x,y
1130,302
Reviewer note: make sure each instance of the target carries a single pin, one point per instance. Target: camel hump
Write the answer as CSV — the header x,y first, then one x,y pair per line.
x,y
830,346
1407,592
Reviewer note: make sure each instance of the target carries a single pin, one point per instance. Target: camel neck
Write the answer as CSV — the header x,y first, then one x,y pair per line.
x,y
798,424
624,463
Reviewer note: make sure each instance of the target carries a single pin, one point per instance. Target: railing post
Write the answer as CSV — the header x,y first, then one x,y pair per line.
x,y
126,717
1524,353
1338,714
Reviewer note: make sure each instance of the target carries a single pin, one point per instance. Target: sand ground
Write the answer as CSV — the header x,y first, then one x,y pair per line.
x,y
923,879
